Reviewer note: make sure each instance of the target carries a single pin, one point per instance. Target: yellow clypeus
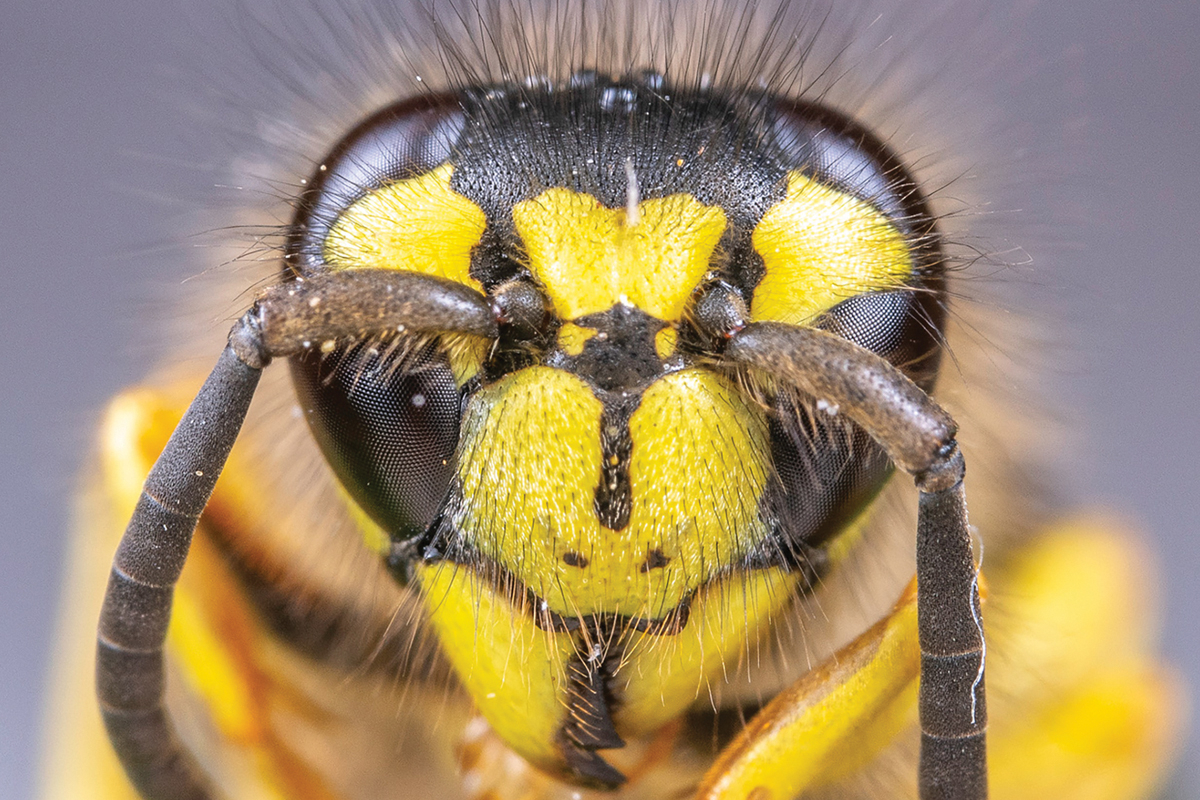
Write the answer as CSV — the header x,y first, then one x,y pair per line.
x,y
530,464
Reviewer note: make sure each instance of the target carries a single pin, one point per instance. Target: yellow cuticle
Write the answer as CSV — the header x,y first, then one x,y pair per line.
x,y
589,259
665,341
514,671
662,675
572,338
419,224
821,246
532,447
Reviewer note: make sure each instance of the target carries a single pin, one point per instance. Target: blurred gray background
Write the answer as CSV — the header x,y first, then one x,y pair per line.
x,y
98,165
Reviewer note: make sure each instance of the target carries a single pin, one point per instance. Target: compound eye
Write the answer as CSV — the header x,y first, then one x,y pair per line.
x,y
386,415
385,410
397,143
852,249
901,326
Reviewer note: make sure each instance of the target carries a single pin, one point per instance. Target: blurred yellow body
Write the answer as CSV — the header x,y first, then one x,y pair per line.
x,y
1080,708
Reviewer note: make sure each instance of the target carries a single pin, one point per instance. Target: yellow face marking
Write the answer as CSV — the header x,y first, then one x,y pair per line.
x,y
514,671
572,338
589,258
698,470
419,225
665,341
820,247
662,675
530,462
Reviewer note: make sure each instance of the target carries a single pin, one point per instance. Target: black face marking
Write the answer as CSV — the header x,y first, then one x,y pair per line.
x,y
743,266
614,494
670,625
620,357
498,257
655,560
573,559
619,360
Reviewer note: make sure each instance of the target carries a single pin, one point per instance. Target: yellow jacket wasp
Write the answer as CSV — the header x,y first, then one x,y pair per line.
x,y
612,366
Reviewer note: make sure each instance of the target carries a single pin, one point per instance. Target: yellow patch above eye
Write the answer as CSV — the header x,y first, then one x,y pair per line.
x,y
589,258
821,246
419,224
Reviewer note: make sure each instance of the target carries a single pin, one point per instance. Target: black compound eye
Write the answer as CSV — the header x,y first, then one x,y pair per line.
x,y
385,412
386,415
827,469
903,326
398,142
